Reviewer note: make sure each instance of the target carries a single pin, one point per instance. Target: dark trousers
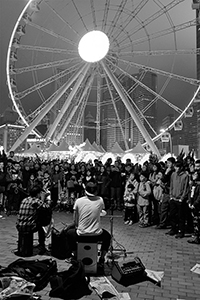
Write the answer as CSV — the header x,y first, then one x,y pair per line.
x,y
129,213
115,195
54,196
196,220
177,215
41,235
73,238
164,210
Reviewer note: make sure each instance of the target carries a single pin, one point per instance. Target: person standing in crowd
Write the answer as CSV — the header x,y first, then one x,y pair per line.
x,y
179,192
87,210
144,191
194,205
27,220
116,186
153,203
197,165
164,205
103,186
56,179
129,205
2,184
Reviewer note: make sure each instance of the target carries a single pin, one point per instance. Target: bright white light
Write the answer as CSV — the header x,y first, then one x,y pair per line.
x,y
93,46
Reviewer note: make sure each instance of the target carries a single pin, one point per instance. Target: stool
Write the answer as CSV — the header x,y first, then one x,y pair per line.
x,y
25,243
87,252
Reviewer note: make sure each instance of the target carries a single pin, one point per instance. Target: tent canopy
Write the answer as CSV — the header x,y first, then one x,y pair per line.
x,y
88,146
138,149
63,146
116,149
33,149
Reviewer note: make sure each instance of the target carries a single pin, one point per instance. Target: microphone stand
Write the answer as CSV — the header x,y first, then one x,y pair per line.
x,y
119,247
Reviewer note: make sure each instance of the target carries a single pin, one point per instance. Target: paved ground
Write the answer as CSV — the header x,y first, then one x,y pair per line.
x,y
157,251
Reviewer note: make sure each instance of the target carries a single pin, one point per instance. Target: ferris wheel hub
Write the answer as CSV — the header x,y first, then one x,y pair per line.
x,y
93,46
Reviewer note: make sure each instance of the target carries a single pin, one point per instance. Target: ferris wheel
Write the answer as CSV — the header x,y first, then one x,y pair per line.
x,y
119,59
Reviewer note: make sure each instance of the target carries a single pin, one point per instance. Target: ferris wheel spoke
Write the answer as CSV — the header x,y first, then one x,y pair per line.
x,y
131,16
117,16
51,33
163,73
79,14
162,33
160,52
93,13
81,97
105,16
45,65
47,81
46,49
116,112
65,106
158,96
130,109
77,125
64,21
47,108
154,17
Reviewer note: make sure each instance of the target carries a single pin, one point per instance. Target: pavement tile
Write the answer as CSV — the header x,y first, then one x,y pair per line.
x,y
157,251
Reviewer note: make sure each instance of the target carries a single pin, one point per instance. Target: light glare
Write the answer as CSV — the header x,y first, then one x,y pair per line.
x,y
93,46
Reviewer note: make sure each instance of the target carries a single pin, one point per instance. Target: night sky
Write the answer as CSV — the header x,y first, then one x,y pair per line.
x,y
10,10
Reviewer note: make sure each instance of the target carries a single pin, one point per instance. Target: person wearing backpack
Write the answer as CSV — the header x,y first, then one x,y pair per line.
x,y
87,212
32,210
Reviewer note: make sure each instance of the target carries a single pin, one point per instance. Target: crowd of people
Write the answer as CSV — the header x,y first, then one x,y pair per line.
x,y
164,194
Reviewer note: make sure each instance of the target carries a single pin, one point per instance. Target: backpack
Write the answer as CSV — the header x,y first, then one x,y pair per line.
x,y
44,215
59,244
158,192
35,271
70,284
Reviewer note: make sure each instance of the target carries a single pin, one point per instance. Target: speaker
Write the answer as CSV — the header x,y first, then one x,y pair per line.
x,y
129,272
88,253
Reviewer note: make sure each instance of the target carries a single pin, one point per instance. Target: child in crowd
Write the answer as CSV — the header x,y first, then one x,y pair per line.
x,y
144,191
129,204
158,191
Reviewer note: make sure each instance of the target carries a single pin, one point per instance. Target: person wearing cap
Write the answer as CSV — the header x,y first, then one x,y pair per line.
x,y
27,219
179,193
87,212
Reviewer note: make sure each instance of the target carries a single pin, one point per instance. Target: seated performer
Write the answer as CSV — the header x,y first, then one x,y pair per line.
x,y
28,220
87,212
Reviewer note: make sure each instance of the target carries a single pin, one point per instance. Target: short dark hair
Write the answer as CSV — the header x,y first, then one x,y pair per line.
x,y
35,190
171,159
130,186
179,164
91,187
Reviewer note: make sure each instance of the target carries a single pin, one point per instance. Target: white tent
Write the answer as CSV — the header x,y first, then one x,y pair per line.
x,y
34,149
138,149
63,146
53,147
116,149
87,146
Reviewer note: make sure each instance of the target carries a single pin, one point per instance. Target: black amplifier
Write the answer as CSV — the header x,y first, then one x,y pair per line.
x,y
124,272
